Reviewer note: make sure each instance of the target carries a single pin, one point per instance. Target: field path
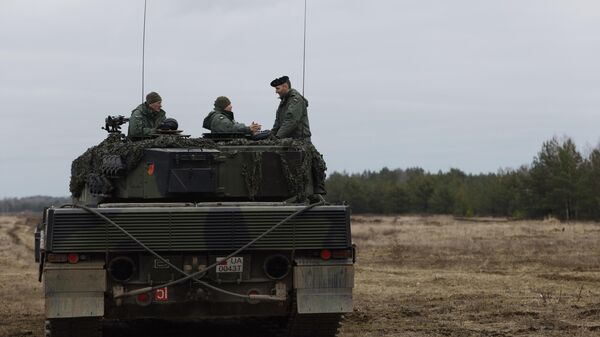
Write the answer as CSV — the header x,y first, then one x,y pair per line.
x,y
21,308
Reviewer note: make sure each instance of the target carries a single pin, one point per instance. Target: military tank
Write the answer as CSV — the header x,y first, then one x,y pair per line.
x,y
177,228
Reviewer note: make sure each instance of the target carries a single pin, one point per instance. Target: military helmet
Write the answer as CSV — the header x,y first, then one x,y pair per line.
x,y
169,124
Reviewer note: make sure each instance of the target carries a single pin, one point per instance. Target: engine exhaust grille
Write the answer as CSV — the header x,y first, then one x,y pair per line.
x,y
197,228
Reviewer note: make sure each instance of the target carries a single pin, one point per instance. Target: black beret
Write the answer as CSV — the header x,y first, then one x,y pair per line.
x,y
279,81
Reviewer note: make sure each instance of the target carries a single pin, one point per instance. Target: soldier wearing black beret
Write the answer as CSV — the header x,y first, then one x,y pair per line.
x,y
291,121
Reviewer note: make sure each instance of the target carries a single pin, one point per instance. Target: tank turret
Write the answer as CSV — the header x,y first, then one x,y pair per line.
x,y
175,168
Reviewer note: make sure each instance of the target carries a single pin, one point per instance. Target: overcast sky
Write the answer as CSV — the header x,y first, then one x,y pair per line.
x,y
475,85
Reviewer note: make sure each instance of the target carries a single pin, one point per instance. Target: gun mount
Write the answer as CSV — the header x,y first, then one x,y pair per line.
x,y
112,124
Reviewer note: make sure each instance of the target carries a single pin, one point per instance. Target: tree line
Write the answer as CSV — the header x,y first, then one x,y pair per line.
x,y
560,182
30,204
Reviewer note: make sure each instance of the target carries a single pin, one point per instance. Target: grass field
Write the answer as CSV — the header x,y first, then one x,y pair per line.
x,y
436,276
416,276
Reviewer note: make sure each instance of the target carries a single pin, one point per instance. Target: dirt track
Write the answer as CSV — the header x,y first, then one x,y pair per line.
x,y
21,306
416,276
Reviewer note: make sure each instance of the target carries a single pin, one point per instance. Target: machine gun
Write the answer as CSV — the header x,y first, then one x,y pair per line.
x,y
113,123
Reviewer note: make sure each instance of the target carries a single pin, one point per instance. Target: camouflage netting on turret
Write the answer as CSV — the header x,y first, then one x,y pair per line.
x,y
89,165
90,162
297,176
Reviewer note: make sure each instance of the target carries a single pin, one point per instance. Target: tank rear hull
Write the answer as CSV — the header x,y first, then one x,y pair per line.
x,y
302,268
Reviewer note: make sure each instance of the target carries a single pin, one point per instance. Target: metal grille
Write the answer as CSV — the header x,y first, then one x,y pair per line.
x,y
198,228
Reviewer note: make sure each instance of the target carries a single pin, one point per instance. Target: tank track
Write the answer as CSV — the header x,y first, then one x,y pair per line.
x,y
243,327
315,325
296,325
73,327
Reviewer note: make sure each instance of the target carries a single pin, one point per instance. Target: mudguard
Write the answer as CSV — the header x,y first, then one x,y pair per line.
x,y
323,286
74,290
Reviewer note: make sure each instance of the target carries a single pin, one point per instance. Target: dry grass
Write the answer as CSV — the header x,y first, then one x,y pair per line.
x,y
416,276
21,305
437,276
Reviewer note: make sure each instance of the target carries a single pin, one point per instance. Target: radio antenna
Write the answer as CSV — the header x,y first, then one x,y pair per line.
x,y
304,51
143,49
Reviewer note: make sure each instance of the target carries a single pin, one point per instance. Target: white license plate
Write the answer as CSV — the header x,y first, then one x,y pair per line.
x,y
232,265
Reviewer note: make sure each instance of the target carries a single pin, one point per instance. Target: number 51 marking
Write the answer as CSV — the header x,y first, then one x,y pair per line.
x,y
161,294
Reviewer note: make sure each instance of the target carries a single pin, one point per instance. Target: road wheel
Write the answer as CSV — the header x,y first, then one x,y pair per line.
x,y
73,327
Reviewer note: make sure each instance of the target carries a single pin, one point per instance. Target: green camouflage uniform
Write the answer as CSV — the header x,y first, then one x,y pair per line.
x,y
291,121
144,121
220,120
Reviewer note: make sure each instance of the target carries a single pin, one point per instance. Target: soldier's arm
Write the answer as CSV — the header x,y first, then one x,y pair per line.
x,y
292,118
151,129
275,127
241,127
222,124
148,131
136,125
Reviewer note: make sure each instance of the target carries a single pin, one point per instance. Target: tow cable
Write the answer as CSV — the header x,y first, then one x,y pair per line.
x,y
194,275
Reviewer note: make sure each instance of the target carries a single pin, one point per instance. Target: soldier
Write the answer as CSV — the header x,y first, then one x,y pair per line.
x,y
146,118
221,119
291,121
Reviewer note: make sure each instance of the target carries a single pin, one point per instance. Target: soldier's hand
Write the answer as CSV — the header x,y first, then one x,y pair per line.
x,y
254,127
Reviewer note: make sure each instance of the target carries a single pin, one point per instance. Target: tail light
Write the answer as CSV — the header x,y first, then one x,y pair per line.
x,y
73,258
63,258
325,254
143,299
